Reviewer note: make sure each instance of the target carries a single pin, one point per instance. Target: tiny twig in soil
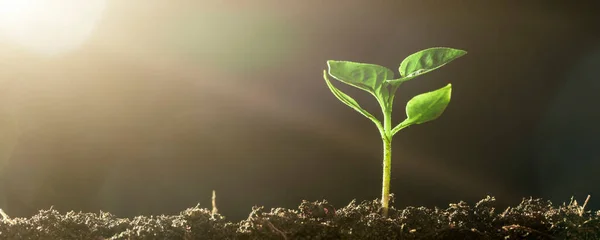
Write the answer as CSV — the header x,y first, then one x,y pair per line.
x,y
5,216
276,229
214,204
583,207
505,211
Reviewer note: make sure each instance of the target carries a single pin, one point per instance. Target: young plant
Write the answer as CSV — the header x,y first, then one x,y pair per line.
x,y
380,82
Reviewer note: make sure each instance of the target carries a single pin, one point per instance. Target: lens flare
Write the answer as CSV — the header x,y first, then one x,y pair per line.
x,y
49,27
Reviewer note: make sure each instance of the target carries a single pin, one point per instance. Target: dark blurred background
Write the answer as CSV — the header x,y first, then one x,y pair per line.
x,y
145,107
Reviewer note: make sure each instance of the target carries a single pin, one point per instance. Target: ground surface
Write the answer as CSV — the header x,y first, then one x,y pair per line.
x,y
531,219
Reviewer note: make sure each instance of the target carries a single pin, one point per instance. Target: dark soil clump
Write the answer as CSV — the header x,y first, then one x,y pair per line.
x,y
531,219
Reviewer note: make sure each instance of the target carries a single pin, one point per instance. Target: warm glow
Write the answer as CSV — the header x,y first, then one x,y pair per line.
x,y
49,26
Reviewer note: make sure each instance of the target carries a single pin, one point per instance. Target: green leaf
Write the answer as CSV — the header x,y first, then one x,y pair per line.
x,y
350,101
426,107
426,61
369,77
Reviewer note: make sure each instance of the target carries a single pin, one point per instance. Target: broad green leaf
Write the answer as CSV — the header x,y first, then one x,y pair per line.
x,y
426,61
349,101
427,106
368,77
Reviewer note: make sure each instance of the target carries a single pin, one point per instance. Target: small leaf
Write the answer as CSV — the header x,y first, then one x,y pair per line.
x,y
349,101
426,61
369,77
427,106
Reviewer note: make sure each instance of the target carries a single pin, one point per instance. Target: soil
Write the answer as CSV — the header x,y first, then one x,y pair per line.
x,y
531,219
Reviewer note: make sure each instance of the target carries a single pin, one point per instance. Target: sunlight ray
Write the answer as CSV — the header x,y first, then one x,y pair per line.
x,y
49,27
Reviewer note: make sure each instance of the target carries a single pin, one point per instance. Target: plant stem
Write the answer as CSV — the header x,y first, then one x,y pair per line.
x,y
387,160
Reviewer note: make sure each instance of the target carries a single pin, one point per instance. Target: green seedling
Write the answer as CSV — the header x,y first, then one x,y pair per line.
x,y
380,82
